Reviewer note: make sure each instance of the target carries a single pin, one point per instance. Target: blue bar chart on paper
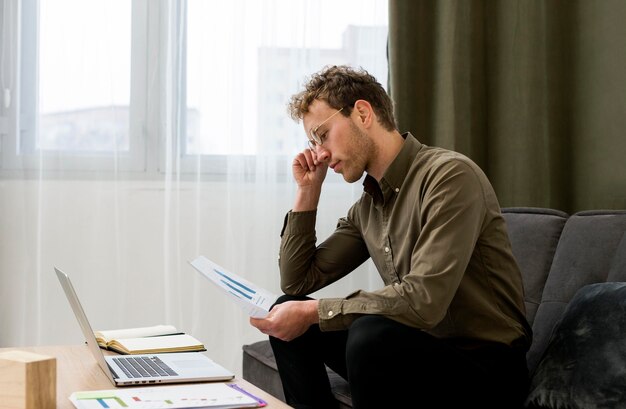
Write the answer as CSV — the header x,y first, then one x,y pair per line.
x,y
255,301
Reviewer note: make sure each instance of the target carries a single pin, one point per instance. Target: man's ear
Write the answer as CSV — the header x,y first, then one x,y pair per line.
x,y
365,112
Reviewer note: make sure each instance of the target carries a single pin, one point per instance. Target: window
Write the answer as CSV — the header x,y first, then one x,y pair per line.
x,y
185,85
84,88
70,107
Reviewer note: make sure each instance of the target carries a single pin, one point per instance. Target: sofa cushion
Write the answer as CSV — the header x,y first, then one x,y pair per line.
x,y
534,235
585,254
618,266
585,363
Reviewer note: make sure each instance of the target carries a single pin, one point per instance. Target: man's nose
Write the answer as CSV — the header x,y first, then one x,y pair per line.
x,y
322,153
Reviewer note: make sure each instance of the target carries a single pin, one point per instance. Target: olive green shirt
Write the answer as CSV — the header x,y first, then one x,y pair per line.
x,y
434,231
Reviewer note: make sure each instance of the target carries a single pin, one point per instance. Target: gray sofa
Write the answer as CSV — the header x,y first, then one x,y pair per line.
x,y
559,254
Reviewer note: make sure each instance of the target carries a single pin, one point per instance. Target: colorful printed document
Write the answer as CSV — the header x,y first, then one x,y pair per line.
x,y
255,301
206,395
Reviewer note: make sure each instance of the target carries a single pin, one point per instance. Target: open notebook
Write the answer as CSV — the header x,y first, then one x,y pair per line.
x,y
125,370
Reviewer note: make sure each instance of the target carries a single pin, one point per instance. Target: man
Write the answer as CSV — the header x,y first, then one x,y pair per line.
x,y
448,328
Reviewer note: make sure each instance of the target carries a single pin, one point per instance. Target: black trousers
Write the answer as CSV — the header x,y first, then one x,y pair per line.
x,y
391,365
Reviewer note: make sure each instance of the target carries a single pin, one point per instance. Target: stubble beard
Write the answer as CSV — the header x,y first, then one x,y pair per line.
x,y
363,149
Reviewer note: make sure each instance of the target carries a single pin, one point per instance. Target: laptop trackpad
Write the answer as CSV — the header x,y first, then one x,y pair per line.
x,y
187,363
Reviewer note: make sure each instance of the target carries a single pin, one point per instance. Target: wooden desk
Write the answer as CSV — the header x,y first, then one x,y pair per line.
x,y
77,370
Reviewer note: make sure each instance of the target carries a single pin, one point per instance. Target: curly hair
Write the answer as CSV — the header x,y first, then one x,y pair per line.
x,y
340,86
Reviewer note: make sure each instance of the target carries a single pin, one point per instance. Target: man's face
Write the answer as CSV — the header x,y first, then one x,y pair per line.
x,y
345,147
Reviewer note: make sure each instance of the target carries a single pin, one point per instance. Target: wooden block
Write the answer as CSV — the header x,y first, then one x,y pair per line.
x,y
27,380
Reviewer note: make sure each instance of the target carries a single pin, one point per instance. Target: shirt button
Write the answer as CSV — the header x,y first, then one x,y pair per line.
x,y
386,249
397,189
330,313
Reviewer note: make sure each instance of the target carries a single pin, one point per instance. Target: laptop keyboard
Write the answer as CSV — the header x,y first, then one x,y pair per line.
x,y
143,366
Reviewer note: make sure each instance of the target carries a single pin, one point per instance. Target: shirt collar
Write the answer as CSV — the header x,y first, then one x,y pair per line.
x,y
392,180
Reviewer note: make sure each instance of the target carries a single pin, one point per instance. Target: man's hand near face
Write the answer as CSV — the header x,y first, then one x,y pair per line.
x,y
309,174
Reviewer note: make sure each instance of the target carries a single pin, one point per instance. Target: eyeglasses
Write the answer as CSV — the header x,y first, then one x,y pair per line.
x,y
314,139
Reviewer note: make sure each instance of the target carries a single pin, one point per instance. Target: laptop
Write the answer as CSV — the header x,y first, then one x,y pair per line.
x,y
125,370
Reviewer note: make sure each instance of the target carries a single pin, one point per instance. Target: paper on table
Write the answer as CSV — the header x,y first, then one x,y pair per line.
x,y
206,395
255,301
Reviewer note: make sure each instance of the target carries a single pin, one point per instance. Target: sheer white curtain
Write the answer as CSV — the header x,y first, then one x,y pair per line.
x,y
151,133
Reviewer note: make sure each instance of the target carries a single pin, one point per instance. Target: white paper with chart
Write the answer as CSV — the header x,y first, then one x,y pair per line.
x,y
206,395
255,301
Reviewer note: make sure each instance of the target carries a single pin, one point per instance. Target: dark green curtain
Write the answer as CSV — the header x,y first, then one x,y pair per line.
x,y
533,91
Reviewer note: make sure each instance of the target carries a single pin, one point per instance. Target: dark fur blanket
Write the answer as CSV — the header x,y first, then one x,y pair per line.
x,y
585,363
